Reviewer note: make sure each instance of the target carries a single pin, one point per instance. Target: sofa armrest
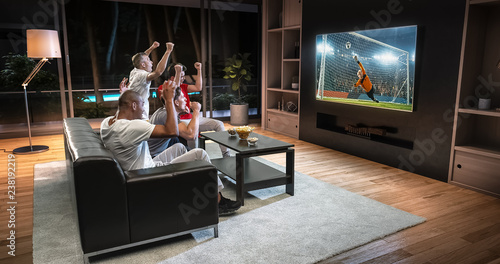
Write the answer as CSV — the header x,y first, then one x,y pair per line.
x,y
171,199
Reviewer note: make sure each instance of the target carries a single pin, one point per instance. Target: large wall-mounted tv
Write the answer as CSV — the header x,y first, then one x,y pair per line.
x,y
370,67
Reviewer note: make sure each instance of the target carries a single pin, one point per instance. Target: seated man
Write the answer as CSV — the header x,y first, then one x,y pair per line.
x,y
126,135
187,131
205,124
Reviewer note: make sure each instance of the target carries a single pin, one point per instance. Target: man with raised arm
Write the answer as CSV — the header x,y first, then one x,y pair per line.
x,y
142,74
204,123
126,135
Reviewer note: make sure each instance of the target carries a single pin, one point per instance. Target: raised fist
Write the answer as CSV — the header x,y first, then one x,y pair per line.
x,y
170,46
168,90
156,44
178,68
197,65
195,106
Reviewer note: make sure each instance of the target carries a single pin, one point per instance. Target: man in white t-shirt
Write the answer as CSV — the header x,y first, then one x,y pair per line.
x,y
142,74
126,135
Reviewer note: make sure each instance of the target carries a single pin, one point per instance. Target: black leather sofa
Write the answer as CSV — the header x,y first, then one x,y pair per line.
x,y
119,209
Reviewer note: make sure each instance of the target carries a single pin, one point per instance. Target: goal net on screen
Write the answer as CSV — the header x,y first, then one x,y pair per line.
x,y
386,66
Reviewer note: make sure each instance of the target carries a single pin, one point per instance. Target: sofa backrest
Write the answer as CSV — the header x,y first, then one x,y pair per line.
x,y
99,188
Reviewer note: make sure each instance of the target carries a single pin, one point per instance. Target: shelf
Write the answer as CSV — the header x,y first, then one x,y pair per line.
x,y
479,112
485,2
480,150
293,114
282,46
475,159
292,28
274,30
283,90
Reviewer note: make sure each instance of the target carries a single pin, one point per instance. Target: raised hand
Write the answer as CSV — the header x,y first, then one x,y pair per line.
x,y
197,65
155,45
178,68
195,106
170,46
168,90
124,85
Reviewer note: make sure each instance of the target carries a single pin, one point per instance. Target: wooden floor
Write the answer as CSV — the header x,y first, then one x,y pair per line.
x,y
462,226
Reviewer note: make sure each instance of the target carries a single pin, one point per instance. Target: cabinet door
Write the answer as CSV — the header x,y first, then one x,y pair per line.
x,y
478,171
293,13
283,124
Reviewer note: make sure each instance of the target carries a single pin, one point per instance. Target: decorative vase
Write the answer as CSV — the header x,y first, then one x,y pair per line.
x,y
239,114
484,104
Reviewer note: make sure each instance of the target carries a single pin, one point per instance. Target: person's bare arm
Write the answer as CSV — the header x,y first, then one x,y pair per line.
x,y
191,130
124,85
162,64
177,77
170,128
199,80
155,45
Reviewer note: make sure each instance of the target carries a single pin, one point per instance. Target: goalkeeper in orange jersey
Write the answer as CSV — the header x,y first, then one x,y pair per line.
x,y
364,81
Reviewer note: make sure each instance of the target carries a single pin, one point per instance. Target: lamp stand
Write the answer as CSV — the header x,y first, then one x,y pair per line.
x,y
37,148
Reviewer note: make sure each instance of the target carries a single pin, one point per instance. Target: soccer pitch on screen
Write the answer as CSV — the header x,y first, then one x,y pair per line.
x,y
387,105
388,58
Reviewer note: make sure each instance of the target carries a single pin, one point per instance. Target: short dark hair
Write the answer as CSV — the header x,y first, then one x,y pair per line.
x,y
171,69
127,98
177,93
137,59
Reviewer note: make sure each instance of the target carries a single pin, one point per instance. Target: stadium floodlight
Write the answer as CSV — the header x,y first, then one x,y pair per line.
x,y
386,58
325,48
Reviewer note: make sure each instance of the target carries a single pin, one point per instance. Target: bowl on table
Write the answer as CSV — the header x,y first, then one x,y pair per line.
x,y
231,132
252,140
243,131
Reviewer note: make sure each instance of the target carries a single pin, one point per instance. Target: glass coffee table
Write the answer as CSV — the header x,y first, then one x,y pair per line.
x,y
249,173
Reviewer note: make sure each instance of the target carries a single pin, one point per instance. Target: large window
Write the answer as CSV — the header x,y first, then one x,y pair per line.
x,y
104,35
43,94
100,37
235,28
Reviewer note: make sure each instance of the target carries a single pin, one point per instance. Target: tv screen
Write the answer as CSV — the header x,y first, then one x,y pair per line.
x,y
371,67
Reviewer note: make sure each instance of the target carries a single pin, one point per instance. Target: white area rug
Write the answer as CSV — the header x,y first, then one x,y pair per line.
x,y
320,221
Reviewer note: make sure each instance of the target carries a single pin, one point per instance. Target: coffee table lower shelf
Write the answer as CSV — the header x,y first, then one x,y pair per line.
x,y
257,175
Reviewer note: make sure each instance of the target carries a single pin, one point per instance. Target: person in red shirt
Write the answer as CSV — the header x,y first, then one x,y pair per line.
x,y
364,81
205,124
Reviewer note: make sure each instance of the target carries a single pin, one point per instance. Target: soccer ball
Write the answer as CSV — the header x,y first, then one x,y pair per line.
x,y
348,45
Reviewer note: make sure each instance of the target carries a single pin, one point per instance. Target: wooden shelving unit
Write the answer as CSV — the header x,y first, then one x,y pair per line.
x,y
281,65
475,153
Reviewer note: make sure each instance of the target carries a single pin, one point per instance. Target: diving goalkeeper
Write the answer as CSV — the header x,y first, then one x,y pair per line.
x,y
364,81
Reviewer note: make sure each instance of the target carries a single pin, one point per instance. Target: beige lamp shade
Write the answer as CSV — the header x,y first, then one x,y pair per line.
x,y
43,43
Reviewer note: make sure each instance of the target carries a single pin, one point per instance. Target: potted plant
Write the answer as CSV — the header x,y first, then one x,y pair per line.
x,y
238,70
484,96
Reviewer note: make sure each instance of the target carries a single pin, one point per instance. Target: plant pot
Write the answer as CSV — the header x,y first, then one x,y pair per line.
x,y
484,104
239,114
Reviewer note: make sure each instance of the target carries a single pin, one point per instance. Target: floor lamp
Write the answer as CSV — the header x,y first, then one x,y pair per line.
x,y
42,44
